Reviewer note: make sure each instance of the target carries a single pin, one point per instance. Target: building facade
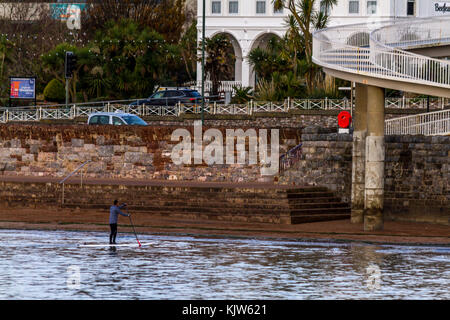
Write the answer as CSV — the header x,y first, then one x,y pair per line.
x,y
251,23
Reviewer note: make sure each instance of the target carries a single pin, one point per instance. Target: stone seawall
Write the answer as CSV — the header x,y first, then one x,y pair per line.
x,y
417,168
115,152
417,172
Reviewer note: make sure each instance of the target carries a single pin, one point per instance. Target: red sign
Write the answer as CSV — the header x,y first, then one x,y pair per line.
x,y
344,119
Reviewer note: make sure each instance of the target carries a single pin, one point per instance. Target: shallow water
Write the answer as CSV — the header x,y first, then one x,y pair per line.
x,y
50,265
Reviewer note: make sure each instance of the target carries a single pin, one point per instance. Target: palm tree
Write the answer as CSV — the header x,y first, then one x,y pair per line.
x,y
273,58
308,18
293,41
98,83
219,60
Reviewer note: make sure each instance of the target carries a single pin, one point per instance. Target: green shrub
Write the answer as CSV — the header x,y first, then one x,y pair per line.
x,y
242,94
54,91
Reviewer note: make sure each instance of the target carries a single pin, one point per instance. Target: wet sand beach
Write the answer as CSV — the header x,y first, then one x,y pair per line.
x,y
394,232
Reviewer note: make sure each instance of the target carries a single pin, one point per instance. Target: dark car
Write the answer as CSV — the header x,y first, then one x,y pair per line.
x,y
171,98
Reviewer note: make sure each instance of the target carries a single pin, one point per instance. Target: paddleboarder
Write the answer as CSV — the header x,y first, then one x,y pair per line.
x,y
114,212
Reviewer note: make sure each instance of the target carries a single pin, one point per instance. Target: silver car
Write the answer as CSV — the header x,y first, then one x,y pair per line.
x,y
115,118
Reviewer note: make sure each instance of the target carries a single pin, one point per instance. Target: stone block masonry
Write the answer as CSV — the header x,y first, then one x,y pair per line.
x,y
417,172
417,168
115,153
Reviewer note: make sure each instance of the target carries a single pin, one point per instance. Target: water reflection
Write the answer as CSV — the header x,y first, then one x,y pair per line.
x,y
35,265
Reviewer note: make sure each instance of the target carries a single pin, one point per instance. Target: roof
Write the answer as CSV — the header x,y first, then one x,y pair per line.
x,y
111,114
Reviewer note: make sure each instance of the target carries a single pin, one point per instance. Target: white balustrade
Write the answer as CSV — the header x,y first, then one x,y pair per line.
x,y
376,49
431,123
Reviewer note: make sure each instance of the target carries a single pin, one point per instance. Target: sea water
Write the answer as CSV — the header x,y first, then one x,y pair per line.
x,y
51,265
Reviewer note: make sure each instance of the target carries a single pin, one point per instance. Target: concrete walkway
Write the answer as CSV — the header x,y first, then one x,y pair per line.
x,y
142,182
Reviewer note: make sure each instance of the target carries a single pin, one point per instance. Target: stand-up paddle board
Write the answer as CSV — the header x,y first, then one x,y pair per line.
x,y
105,245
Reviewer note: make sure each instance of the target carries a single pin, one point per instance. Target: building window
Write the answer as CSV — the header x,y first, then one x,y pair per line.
x,y
324,8
233,7
371,7
260,6
410,8
279,11
216,7
353,7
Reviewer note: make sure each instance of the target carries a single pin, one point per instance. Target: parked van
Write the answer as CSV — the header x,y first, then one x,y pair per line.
x,y
115,118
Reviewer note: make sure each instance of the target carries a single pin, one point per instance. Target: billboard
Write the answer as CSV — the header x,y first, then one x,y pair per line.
x,y
23,88
63,11
440,8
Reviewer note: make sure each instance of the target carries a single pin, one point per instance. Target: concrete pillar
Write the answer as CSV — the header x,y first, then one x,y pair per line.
x,y
358,153
246,74
238,69
375,153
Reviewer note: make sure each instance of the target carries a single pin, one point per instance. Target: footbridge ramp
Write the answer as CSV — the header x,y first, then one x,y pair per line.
x,y
376,53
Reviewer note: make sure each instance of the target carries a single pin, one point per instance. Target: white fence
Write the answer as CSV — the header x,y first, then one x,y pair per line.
x,y
83,110
429,124
224,86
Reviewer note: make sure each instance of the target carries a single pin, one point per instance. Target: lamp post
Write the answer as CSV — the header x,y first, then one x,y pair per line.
x,y
203,62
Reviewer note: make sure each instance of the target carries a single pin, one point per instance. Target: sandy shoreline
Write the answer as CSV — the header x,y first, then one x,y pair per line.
x,y
408,233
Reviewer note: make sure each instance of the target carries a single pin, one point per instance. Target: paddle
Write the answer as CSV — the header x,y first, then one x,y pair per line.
x,y
129,216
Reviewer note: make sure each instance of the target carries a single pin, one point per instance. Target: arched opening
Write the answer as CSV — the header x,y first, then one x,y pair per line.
x,y
263,42
236,74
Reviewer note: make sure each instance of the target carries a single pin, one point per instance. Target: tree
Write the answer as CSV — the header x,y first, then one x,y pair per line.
x,y
53,64
97,82
29,31
54,91
219,58
273,58
167,17
280,66
132,57
188,46
308,18
6,48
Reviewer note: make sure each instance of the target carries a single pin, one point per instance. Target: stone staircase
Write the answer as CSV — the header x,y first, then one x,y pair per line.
x,y
316,204
247,203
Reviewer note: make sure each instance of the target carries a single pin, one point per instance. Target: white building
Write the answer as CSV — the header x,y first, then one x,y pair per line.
x,y
250,23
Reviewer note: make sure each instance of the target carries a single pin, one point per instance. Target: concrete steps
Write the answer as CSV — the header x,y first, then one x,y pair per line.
x,y
256,202
315,206
272,205
318,218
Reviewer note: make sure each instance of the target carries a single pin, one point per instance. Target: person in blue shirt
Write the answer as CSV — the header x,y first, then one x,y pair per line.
x,y
114,212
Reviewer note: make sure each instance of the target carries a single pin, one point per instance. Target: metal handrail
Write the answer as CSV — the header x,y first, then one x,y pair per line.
x,y
74,171
333,48
70,175
290,157
430,124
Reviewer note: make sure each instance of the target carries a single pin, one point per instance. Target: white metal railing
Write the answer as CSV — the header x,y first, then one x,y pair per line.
x,y
375,49
82,110
431,123
406,35
224,86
